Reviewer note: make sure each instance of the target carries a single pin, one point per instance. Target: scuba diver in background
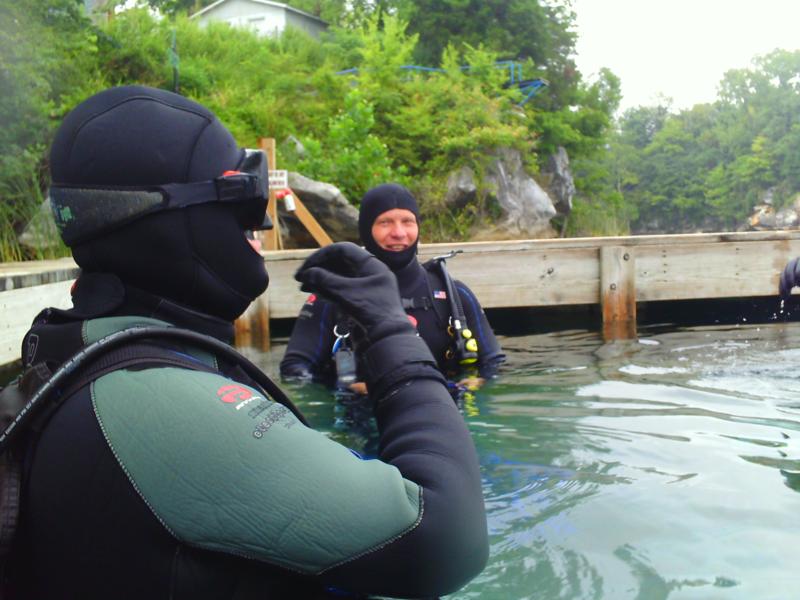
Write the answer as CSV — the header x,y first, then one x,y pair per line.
x,y
446,313
173,468
790,278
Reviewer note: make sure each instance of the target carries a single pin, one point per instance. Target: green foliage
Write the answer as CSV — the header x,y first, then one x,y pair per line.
x,y
384,123
351,155
447,120
706,168
46,53
516,29
173,7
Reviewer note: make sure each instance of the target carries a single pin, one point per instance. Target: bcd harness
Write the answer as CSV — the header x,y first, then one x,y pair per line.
x,y
464,347
27,404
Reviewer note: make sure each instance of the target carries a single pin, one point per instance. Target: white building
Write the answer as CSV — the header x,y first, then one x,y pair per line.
x,y
263,16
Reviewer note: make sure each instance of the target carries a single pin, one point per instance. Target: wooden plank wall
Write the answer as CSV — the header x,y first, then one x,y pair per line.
x,y
502,274
568,271
25,289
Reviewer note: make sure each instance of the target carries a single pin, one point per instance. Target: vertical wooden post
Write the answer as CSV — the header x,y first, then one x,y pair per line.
x,y
271,239
252,328
618,292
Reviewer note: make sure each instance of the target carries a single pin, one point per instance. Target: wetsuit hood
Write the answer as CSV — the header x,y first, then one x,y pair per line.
x,y
136,136
376,202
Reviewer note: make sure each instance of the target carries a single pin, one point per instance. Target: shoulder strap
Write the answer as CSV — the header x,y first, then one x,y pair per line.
x,y
95,356
35,396
15,397
136,355
465,346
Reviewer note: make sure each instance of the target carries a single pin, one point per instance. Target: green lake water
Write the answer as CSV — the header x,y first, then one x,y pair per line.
x,y
667,467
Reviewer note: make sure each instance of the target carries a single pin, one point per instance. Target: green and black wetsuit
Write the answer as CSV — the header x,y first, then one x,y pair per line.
x,y
165,482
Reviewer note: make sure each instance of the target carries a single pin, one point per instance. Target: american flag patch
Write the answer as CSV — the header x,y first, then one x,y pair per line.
x,y
440,294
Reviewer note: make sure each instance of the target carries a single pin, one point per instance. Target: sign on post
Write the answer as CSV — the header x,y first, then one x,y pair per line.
x,y
278,180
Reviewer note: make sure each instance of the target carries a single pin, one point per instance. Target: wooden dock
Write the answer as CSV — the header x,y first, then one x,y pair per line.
x,y
613,272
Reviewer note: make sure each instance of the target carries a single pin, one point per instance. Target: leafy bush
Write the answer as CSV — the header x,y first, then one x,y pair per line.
x,y
351,156
384,123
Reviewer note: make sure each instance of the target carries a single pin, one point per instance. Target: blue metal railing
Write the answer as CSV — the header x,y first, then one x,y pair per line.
x,y
529,87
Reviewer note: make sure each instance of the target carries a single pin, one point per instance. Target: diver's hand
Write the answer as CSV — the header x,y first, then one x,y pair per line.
x,y
360,284
359,387
471,383
789,278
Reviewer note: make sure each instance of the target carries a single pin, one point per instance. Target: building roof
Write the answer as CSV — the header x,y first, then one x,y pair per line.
x,y
265,2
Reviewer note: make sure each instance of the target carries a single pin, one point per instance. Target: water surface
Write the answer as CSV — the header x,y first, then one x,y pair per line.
x,y
667,467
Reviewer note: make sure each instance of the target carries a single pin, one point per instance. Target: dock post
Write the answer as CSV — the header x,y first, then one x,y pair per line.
x,y
618,292
271,238
252,328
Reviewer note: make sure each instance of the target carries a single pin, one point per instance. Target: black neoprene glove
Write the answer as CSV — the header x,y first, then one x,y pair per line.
x,y
363,287
789,278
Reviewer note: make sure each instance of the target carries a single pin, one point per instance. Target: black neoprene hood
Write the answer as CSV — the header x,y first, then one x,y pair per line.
x,y
110,152
377,201
136,135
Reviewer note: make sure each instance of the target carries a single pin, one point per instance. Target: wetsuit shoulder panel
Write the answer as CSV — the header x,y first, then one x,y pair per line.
x,y
226,469
95,329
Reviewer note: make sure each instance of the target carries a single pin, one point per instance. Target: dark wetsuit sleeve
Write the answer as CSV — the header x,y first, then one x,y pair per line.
x,y
425,437
309,351
490,355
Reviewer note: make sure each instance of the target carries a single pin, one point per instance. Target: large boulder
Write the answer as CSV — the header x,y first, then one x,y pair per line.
x,y
557,178
329,207
526,208
41,232
766,217
461,189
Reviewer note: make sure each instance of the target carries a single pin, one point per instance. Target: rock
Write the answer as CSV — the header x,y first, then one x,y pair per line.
x,y
295,146
461,189
526,207
766,218
41,232
329,207
560,184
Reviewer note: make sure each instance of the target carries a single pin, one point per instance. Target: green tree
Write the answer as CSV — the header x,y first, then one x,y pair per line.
x,y
350,155
47,50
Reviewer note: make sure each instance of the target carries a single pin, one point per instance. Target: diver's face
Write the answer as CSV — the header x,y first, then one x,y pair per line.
x,y
395,230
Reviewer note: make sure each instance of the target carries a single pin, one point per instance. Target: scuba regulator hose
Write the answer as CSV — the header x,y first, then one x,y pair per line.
x,y
466,346
53,385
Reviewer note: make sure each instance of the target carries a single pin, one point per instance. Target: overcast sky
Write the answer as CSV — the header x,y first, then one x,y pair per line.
x,y
679,48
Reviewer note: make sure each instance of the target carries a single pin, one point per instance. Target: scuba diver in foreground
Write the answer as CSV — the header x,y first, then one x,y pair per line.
x,y
446,313
173,468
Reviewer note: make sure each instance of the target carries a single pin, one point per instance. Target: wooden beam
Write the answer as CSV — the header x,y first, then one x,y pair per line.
x,y
618,292
522,273
310,223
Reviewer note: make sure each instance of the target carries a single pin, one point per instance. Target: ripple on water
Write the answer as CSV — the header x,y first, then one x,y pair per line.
x,y
667,468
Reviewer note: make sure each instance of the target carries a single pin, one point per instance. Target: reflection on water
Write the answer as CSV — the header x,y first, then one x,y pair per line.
x,y
667,467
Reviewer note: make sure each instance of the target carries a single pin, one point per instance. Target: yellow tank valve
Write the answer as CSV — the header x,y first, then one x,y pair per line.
x,y
472,345
466,333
